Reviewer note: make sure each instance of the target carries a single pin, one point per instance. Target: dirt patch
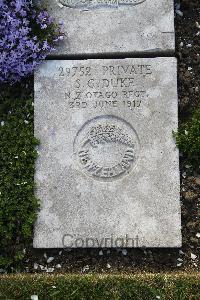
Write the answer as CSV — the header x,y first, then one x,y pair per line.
x,y
188,54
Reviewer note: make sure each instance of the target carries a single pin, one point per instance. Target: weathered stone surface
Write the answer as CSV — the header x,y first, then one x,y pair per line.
x,y
112,26
108,164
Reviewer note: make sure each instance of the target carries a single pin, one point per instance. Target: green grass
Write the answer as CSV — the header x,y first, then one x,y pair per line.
x,y
175,286
18,206
188,139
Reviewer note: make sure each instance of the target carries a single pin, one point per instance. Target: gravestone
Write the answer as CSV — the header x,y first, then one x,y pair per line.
x,y
95,27
107,173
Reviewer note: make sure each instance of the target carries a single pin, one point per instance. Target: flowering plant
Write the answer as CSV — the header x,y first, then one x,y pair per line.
x,y
27,35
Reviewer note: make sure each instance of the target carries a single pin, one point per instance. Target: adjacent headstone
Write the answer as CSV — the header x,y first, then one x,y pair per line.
x,y
107,173
95,27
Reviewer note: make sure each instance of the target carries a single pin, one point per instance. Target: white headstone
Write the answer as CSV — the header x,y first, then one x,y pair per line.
x,y
114,26
107,173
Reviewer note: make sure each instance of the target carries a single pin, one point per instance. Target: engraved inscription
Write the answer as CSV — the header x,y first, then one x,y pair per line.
x,y
106,86
89,4
106,148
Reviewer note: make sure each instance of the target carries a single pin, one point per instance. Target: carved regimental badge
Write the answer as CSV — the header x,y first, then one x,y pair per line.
x,y
88,4
106,148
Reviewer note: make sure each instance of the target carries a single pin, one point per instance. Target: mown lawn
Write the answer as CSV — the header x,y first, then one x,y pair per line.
x,y
174,286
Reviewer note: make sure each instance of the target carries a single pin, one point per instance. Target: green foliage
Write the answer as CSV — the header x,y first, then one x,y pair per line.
x,y
111,287
188,139
18,206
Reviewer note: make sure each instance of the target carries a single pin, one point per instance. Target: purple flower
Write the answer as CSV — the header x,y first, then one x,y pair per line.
x,y
45,45
43,26
21,50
